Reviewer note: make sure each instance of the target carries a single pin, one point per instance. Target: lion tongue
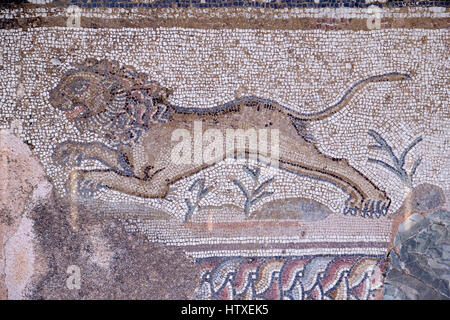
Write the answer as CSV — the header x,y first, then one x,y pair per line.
x,y
75,112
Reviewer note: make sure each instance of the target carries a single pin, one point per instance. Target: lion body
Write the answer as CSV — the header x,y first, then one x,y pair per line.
x,y
133,115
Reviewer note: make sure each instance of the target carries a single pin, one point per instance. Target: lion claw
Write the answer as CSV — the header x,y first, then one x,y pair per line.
x,y
88,188
369,208
67,154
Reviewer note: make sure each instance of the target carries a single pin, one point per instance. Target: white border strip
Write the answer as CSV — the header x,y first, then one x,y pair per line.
x,y
249,12
286,252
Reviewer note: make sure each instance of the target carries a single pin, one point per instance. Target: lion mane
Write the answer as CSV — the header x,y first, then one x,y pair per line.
x,y
116,102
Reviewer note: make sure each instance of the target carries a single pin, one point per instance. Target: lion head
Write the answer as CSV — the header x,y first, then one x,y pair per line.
x,y
118,101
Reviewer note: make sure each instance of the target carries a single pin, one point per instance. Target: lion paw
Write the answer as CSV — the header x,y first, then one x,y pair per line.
x,y
351,206
68,154
375,208
88,188
366,208
84,185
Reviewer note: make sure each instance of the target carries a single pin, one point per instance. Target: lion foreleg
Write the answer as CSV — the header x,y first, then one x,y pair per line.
x,y
71,154
90,181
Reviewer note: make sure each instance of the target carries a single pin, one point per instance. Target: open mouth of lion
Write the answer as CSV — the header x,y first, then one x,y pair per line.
x,y
74,113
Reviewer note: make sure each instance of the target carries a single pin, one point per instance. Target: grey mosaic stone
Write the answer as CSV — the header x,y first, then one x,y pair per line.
x,y
400,286
426,197
395,260
410,227
421,270
311,211
301,209
440,216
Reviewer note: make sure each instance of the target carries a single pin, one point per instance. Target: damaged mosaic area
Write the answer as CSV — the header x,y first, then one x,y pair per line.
x,y
355,206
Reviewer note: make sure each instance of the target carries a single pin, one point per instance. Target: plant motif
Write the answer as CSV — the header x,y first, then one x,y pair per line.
x,y
196,196
257,190
398,163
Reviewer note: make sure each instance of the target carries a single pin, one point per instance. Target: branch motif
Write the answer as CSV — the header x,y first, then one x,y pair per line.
x,y
196,197
257,190
398,163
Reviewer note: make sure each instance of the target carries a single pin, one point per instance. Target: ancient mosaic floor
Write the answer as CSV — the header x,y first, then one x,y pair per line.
x,y
215,149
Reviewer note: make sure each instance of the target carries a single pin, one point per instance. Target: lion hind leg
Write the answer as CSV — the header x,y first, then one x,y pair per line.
x,y
302,129
357,203
305,158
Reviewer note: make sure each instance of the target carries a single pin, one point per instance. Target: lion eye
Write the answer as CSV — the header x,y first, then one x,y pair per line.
x,y
80,86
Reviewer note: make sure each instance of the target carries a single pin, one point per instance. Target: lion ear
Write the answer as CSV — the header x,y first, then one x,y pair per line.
x,y
141,78
108,66
114,67
167,92
103,66
163,93
89,62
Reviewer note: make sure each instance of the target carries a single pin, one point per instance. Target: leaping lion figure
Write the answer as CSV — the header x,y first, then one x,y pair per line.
x,y
133,115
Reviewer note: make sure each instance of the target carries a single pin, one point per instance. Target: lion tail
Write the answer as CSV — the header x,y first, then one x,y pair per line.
x,y
345,98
